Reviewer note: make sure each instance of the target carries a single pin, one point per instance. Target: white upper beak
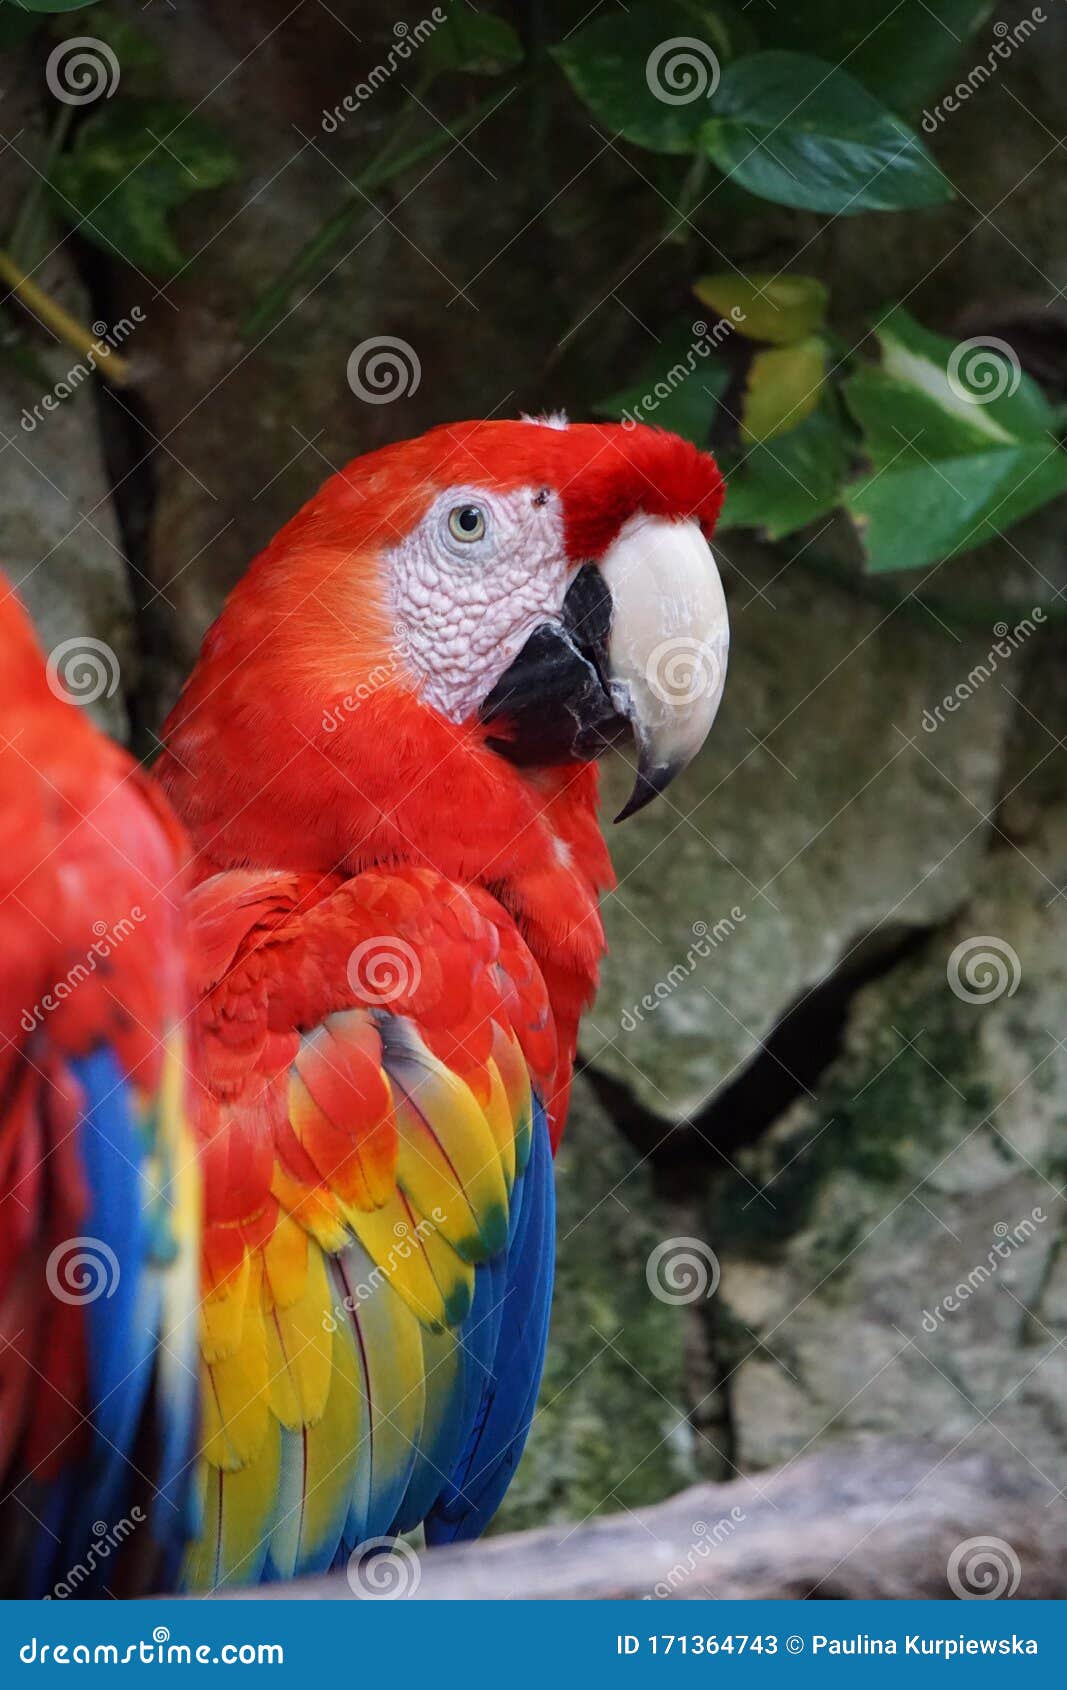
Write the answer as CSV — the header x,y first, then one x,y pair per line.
x,y
668,646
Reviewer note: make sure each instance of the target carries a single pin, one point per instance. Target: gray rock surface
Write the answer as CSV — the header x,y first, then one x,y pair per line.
x,y
820,811
902,1265
59,537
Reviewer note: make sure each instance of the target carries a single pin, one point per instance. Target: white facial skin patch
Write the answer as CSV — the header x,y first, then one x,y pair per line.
x,y
470,584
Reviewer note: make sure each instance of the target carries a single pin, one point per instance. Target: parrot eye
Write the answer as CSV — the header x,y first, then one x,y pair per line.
x,y
466,522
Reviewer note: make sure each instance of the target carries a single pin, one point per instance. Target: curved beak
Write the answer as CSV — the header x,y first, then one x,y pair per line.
x,y
641,645
668,646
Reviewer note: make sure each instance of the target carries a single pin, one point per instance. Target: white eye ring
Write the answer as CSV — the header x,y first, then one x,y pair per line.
x,y
467,523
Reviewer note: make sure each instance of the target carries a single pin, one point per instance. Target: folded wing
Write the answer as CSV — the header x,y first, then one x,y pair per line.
x,y
379,1241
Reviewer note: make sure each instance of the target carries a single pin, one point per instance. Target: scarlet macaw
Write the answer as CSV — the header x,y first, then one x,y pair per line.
x,y
384,759
99,1188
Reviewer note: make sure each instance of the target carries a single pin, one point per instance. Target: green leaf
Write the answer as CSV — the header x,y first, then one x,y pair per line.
x,y
913,513
783,388
796,130
903,54
131,165
779,309
961,442
475,42
782,487
898,419
978,381
648,73
678,387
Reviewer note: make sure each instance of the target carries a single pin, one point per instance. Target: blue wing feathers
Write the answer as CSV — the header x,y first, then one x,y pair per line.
x,y
123,1329
510,1382
120,1344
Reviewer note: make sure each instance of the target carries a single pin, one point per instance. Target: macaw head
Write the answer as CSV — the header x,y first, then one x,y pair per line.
x,y
560,589
506,597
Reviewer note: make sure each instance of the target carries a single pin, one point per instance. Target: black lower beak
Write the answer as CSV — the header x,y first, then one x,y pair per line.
x,y
553,705
639,647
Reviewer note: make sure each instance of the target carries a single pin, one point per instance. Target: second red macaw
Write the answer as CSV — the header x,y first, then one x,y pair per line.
x,y
99,1188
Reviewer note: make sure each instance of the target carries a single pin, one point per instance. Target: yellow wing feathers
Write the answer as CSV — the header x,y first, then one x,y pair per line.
x,y
331,1367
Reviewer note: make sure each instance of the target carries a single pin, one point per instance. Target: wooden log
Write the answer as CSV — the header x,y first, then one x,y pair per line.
x,y
870,1519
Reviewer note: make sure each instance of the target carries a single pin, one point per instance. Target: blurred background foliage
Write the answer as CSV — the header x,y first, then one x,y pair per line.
x,y
847,280
816,112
